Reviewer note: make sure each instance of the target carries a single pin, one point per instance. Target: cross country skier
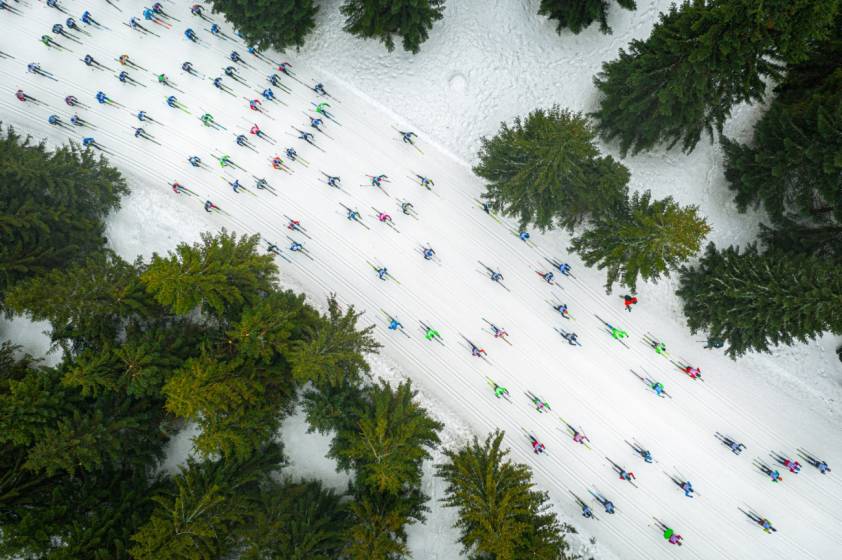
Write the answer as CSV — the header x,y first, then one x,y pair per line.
x,y
142,116
499,391
291,154
48,41
658,387
232,73
126,79
195,161
89,142
428,253
158,8
319,88
426,182
671,536
72,101
295,246
407,137
235,57
103,99
56,121
58,29
791,464
178,188
124,60
687,487
815,461
243,141
523,236
407,208
210,206
618,334
150,15
256,53
75,120
587,512
578,437
216,31
645,453
236,186
90,61
476,351
188,67
692,372
71,24
764,523
604,502
57,6
547,276
394,324
537,402
165,81
173,102
198,10
321,108
332,181
284,67
260,134
564,268
736,448
429,332
316,122
278,163
140,133
306,136
217,83
537,446
498,332
35,68
628,476
773,474
383,217
23,97
562,310
268,94
89,20
134,23
382,273
571,337
628,301
263,185
191,35
7,7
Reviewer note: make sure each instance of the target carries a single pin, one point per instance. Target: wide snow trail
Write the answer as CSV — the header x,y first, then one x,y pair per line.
x,y
589,386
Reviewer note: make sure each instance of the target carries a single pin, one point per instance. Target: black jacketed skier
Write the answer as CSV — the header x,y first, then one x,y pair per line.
x,y
814,461
76,120
407,208
141,133
93,63
406,136
735,447
320,89
187,66
571,337
332,181
547,276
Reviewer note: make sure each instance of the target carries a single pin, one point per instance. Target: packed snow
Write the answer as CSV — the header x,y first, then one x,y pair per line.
x,y
485,62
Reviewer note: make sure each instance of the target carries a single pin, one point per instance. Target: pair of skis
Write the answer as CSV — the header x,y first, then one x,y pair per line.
x,y
490,272
649,382
357,216
386,276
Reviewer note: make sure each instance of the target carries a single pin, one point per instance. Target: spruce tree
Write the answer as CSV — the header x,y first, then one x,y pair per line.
x,y
411,20
702,58
547,171
279,24
54,206
756,300
500,514
646,239
793,164
390,438
378,523
296,521
221,275
790,237
576,15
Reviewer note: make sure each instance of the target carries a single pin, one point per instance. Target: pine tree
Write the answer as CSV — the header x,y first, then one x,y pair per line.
x,y
391,437
576,15
331,407
200,515
378,523
500,514
54,207
221,274
790,237
754,301
296,521
279,24
411,20
646,239
702,58
546,170
333,351
793,164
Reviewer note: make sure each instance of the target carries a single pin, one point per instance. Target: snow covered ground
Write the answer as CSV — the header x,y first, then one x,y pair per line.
x,y
485,62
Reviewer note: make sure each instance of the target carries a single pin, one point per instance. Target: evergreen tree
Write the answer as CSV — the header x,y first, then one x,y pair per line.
x,y
501,516
378,523
411,20
576,15
331,407
390,438
702,58
547,170
54,207
794,163
332,352
201,514
279,24
296,521
753,300
221,274
646,239
790,237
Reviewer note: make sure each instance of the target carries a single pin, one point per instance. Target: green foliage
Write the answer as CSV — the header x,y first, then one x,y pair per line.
x,y
389,440
200,514
794,163
501,516
411,20
790,237
296,521
332,352
547,170
646,239
54,206
753,300
576,15
378,521
222,274
278,24
331,407
702,58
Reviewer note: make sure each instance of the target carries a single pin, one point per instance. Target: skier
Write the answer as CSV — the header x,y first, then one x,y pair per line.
x,y
628,301
259,133
188,67
268,94
178,188
263,184
164,81
210,206
217,83
75,120
89,142
277,163
407,137
71,24
736,448
291,153
235,57
498,331
764,523
428,253
48,41
571,338
89,20
243,141
23,97
306,136
125,61
815,461
671,536
72,101
605,502
197,10
658,387
628,476
55,4
134,23
58,29
7,7
126,79
316,122
524,236
562,309
173,102
332,181
537,402
103,99
429,332
295,246
793,466
383,217
321,109
150,15
191,35
578,436
693,372
382,273
537,446
618,334
499,391
90,61
426,182
319,88
231,72
284,67
142,116
195,161
660,348
547,276
140,133
407,208
564,268
687,487
773,474
35,68
645,453
56,121
476,351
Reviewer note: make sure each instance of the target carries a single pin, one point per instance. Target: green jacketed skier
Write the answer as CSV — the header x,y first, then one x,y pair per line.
x,y
431,333
660,348
618,333
500,391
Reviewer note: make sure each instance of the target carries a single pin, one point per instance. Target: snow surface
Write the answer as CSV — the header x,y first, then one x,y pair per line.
x,y
485,62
